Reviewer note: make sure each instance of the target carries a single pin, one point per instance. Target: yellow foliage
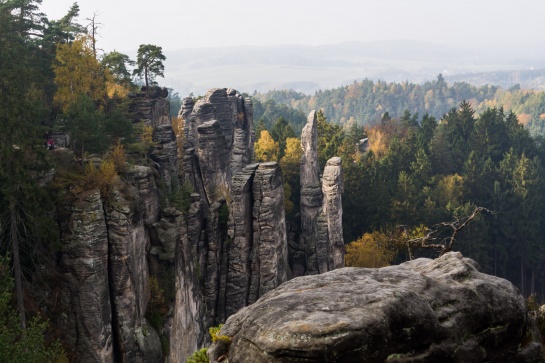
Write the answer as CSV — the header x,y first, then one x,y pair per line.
x,y
102,178
215,334
118,156
449,190
266,149
378,142
113,88
78,72
147,135
290,162
371,250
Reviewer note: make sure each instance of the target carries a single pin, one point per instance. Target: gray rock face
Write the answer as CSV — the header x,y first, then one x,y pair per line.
x,y
441,310
226,264
321,210
141,177
153,110
87,320
332,188
128,275
218,138
104,259
269,262
233,247
188,330
165,153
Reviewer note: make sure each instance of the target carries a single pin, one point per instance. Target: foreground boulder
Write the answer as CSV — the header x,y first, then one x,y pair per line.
x,y
441,310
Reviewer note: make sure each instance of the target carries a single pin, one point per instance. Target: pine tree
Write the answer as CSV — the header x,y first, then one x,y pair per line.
x,y
149,64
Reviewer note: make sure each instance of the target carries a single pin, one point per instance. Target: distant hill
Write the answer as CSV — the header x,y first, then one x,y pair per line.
x,y
311,68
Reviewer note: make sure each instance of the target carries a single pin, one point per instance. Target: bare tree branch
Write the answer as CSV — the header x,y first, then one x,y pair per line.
x,y
434,238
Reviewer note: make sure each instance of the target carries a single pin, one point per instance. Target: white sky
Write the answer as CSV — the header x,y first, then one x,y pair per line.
x,y
178,24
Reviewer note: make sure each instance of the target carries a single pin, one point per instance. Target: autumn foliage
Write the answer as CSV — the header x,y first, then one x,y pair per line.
x,y
266,149
373,249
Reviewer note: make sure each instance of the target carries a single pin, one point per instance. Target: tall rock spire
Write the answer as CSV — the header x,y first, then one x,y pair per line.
x,y
321,208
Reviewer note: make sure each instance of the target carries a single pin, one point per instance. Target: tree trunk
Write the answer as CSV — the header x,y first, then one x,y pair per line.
x,y
522,276
532,286
146,77
17,265
82,156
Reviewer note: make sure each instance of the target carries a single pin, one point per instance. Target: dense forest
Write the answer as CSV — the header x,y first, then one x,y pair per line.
x,y
365,102
418,172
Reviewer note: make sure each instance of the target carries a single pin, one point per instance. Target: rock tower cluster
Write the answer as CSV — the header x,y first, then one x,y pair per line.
x,y
321,246
227,247
233,246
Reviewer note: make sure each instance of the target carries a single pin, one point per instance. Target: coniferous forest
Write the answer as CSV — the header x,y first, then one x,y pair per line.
x,y
417,170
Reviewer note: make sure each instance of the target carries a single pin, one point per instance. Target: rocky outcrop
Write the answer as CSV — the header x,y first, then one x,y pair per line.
x,y
165,154
128,275
188,331
321,236
332,189
218,140
87,317
231,256
236,248
441,310
152,109
104,261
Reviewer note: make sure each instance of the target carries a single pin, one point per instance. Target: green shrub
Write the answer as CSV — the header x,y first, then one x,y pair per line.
x,y
199,356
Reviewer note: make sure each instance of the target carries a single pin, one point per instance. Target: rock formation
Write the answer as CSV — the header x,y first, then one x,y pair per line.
x,y
165,154
87,318
321,236
233,245
218,140
104,262
441,310
152,109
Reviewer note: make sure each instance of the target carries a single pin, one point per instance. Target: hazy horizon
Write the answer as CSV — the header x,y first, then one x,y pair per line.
x,y
256,46
485,24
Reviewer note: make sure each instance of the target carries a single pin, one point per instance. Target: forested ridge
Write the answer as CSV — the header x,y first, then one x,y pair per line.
x,y
365,102
418,171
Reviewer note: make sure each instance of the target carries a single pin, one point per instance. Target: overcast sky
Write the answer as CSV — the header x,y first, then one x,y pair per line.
x,y
178,24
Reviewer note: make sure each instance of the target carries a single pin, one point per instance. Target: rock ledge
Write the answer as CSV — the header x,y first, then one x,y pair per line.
x,y
441,310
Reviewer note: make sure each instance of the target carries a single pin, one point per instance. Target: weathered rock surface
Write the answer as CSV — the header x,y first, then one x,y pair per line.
x,y
321,234
87,318
128,274
332,188
228,261
441,310
104,261
152,109
188,331
218,138
165,153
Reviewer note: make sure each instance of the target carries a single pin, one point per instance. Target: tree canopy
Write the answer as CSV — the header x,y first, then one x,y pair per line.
x,y
149,63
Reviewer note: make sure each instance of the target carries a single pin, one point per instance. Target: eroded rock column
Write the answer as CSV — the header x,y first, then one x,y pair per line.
x,y
332,188
311,192
321,210
87,319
